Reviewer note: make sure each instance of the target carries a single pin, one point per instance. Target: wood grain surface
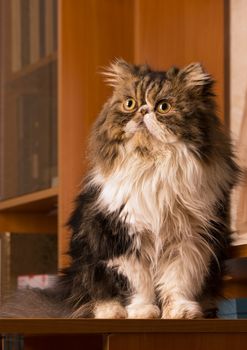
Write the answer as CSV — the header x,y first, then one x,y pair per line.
x,y
171,341
93,326
92,33
178,32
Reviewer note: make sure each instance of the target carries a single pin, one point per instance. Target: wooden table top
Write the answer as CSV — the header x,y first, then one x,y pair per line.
x,y
96,326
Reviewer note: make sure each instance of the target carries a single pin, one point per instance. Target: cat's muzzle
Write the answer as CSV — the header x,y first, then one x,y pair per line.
x,y
144,109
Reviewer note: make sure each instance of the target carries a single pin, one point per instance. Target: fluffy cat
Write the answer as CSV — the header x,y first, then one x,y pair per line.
x,y
150,228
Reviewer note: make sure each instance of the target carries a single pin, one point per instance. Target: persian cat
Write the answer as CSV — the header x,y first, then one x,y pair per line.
x,y
150,228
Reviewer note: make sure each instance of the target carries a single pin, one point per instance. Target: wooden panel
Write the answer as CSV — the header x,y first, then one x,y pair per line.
x,y
61,342
30,68
96,326
42,201
239,251
91,34
178,32
178,341
17,222
235,289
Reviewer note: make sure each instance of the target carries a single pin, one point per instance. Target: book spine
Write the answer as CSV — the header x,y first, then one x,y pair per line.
x,y
34,31
16,35
53,119
25,37
55,26
41,28
36,281
12,342
35,142
22,142
25,132
48,27
5,267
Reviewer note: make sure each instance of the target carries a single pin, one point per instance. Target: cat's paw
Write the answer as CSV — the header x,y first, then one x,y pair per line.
x,y
182,309
109,309
143,311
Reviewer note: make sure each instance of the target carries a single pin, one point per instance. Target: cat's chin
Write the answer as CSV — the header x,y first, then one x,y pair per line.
x,y
133,127
147,129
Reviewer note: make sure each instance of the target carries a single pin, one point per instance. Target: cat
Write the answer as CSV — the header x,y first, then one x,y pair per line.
x,y
150,228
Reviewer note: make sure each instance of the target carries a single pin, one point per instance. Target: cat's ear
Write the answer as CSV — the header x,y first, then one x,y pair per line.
x,y
194,76
118,72
172,72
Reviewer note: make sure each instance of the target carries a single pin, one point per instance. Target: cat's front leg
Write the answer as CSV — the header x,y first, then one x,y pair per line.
x,y
141,303
180,279
140,297
142,310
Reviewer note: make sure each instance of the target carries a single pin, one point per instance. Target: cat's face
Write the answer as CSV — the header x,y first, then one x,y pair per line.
x,y
154,109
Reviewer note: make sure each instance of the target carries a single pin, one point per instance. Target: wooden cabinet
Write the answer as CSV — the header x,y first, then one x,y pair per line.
x,y
90,35
28,142
124,334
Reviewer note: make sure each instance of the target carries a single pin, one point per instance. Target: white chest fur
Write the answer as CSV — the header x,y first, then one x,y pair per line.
x,y
173,189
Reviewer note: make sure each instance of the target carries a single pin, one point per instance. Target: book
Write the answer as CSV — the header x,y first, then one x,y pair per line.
x,y
41,28
40,259
25,33
233,308
34,31
9,156
15,35
55,24
48,27
36,281
12,342
34,143
54,130
4,265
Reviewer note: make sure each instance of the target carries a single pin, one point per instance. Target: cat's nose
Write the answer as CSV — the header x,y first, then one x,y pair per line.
x,y
144,109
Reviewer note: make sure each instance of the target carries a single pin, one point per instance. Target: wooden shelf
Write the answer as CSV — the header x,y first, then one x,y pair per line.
x,y
125,334
29,69
41,201
93,326
239,251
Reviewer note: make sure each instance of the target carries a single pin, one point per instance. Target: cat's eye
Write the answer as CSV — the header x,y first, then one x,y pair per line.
x,y
129,104
163,107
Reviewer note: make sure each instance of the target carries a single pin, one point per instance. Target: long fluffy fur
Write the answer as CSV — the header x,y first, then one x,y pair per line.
x,y
150,228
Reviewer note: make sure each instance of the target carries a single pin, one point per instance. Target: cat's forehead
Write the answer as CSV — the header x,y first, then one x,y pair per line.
x,y
140,81
143,86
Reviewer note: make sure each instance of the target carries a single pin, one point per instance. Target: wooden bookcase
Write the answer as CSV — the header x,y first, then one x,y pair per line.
x,y
28,80
90,35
